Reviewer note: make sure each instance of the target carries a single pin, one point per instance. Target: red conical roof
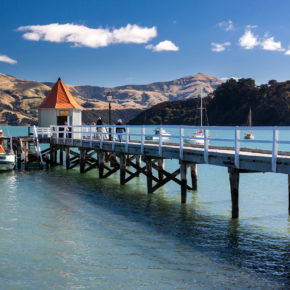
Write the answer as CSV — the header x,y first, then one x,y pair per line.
x,y
60,98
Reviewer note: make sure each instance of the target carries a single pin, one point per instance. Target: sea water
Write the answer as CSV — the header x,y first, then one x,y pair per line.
x,y
60,229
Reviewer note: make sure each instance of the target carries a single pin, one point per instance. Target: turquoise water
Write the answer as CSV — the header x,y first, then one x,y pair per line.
x,y
63,230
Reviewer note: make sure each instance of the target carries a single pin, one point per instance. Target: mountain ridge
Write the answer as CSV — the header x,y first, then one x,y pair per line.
x,y
20,98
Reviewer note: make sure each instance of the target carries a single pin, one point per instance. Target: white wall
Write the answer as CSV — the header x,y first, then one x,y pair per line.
x,y
46,117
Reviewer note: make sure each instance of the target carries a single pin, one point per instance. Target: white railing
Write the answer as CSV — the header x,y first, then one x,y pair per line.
x,y
182,138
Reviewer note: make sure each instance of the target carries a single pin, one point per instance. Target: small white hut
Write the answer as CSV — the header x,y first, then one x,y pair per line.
x,y
59,107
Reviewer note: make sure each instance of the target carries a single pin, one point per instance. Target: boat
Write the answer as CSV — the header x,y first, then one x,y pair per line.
x,y
7,157
249,134
165,135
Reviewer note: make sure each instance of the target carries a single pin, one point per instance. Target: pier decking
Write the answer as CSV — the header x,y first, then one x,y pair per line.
x,y
99,149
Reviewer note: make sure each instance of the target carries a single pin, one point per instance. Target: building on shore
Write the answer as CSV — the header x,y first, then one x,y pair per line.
x,y
59,108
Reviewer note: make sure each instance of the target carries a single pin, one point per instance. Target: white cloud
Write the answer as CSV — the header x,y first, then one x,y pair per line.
x,y
81,35
226,25
5,58
287,52
248,40
165,45
219,47
270,44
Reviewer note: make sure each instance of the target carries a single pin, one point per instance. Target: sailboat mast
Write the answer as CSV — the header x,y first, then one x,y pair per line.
x,y
250,117
200,108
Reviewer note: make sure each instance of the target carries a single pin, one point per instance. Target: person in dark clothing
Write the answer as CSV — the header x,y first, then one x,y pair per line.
x,y
120,130
99,129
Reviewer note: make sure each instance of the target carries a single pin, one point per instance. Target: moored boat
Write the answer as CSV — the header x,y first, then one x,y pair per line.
x,y
165,135
249,134
7,157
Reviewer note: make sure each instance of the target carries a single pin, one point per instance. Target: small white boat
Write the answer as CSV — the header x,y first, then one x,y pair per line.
x,y
165,135
249,134
7,161
7,157
197,138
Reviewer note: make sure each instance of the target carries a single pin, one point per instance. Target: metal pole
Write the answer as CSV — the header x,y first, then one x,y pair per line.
x,y
110,123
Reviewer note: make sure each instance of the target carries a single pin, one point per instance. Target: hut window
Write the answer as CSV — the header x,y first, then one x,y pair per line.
x,y
64,113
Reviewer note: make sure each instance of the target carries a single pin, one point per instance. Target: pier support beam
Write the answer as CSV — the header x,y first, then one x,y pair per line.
x,y
149,174
193,172
101,163
122,168
18,155
51,155
289,194
67,157
82,160
234,176
138,163
161,165
61,155
183,176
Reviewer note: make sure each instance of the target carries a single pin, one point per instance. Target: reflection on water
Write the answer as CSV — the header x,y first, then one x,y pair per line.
x,y
60,229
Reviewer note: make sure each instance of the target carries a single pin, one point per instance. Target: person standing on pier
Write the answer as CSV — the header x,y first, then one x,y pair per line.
x,y
120,130
99,129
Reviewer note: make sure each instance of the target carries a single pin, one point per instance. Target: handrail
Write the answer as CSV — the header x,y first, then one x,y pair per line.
x,y
143,134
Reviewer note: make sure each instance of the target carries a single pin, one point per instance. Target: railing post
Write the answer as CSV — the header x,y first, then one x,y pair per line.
x,y
102,138
142,139
57,133
206,145
113,138
127,138
275,149
181,143
237,147
160,141
91,137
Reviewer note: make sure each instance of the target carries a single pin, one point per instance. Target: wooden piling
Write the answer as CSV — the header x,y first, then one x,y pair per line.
x,y
193,172
101,161
161,165
183,176
61,155
82,160
122,168
18,155
288,194
138,163
67,157
25,155
234,176
149,175
51,155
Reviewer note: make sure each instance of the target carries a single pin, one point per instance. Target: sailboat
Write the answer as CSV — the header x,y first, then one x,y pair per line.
x,y
7,157
198,137
249,134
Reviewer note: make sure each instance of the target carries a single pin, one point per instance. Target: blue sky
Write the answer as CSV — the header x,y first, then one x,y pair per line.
x,y
110,43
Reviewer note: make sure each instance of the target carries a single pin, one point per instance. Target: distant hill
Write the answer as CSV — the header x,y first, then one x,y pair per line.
x,y
228,105
20,98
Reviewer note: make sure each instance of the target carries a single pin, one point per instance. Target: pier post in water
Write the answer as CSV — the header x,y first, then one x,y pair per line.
x,y
122,168
183,176
18,155
149,174
61,155
51,155
101,161
67,159
193,172
82,160
161,166
289,194
138,163
234,177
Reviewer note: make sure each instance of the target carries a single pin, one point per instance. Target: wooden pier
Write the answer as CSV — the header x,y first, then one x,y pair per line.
x,y
135,155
